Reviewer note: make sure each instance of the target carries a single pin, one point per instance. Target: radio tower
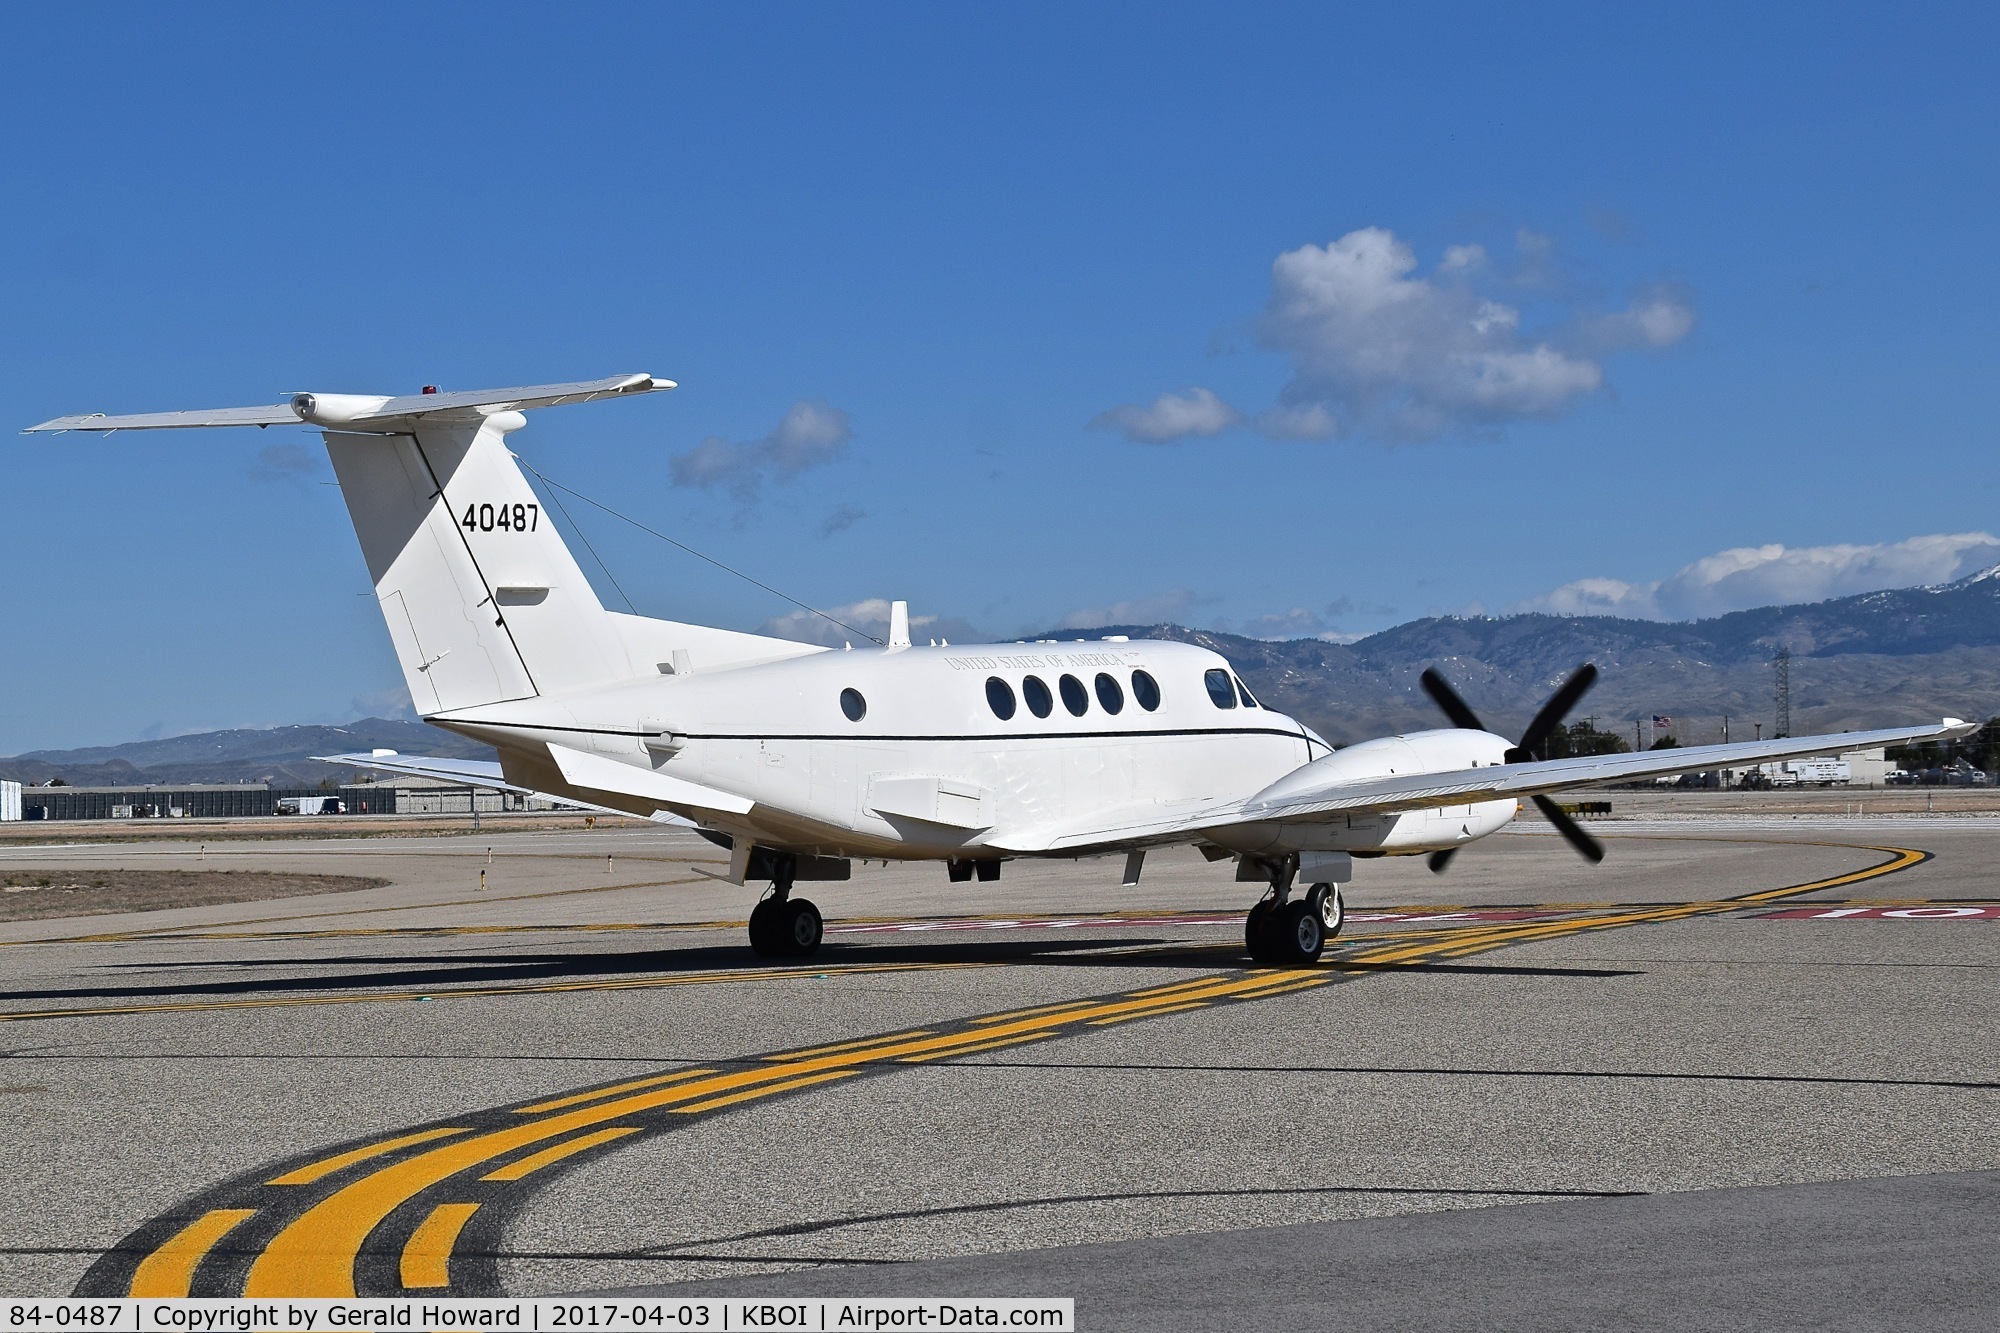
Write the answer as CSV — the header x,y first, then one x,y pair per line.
x,y
1783,663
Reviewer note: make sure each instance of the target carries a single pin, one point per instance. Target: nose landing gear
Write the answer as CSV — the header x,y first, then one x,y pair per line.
x,y
783,926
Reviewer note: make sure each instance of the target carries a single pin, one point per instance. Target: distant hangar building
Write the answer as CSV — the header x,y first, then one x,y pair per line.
x,y
406,796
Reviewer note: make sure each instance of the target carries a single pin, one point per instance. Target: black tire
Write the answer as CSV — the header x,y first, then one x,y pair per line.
x,y
803,928
1332,909
1257,932
767,928
1299,935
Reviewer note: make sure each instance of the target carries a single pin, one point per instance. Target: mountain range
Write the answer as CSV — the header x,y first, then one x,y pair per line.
x,y
1871,660
1876,659
280,756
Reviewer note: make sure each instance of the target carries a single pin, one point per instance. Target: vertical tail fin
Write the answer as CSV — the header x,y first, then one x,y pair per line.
x,y
483,600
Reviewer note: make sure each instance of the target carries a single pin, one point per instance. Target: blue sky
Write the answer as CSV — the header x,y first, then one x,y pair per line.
x,y
1733,288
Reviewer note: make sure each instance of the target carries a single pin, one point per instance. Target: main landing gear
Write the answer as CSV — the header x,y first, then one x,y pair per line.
x,y
1283,932
782,926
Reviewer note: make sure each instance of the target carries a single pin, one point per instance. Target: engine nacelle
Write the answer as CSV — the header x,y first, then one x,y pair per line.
x,y
1405,833
335,409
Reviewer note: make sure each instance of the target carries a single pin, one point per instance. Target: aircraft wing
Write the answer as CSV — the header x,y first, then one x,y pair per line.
x,y
365,413
1416,791
473,773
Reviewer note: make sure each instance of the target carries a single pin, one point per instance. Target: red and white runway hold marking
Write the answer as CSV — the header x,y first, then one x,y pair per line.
x,y
1931,912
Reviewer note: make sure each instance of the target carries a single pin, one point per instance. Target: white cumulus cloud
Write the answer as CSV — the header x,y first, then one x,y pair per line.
x,y
1776,575
1378,347
1171,416
1154,610
810,434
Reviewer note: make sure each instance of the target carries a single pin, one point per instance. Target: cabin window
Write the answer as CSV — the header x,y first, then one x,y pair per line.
x,y
1219,690
1146,690
1000,697
1035,692
1249,700
852,704
1109,695
1073,695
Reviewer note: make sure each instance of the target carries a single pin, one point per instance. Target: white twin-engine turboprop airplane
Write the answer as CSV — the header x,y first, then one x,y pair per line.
x,y
799,759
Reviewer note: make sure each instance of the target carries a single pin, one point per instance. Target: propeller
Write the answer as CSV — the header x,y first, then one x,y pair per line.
x,y
1526,750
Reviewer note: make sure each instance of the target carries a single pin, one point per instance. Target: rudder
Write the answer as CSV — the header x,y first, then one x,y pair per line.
x,y
483,600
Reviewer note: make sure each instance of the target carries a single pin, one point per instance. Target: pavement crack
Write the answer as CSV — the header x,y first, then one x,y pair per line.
x,y
1123,1196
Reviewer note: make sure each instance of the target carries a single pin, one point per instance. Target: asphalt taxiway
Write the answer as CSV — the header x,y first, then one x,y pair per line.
x,y
578,1078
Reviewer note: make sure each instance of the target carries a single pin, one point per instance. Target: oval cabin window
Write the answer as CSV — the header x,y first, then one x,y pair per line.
x,y
1035,692
1000,697
1073,695
1109,696
1146,690
852,704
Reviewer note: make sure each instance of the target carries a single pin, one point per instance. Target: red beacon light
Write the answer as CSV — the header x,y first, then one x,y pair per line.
x,y
430,388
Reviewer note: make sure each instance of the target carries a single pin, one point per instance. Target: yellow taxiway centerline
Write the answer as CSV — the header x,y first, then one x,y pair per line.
x,y
534,1162
169,1270
306,1175
426,1261
315,1254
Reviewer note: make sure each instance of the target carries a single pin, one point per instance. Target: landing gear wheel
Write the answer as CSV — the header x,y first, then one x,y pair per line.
x,y
1332,911
768,927
803,928
1257,932
1299,935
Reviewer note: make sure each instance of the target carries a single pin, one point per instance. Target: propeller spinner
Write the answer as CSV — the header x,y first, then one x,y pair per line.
x,y
1526,750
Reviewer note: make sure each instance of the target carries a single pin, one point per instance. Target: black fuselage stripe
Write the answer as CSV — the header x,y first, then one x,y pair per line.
x,y
978,736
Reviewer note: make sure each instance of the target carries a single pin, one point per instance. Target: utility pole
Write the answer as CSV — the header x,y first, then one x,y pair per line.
x,y
1783,662
1637,744
1725,728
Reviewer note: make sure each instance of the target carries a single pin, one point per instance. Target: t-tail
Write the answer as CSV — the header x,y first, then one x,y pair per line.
x,y
483,600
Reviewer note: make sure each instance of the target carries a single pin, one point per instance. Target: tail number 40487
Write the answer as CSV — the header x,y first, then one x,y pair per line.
x,y
507,518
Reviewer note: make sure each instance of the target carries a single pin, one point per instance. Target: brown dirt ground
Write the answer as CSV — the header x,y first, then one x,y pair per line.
x,y
27,895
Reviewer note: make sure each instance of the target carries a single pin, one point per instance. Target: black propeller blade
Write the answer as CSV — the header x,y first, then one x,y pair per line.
x,y
1588,847
1526,750
1529,747
1446,698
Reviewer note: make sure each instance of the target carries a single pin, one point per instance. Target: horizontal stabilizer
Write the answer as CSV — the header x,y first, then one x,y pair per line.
x,y
365,412
593,772
484,773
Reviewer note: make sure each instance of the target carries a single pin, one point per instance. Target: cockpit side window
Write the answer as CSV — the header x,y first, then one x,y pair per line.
x,y
1219,690
1249,700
